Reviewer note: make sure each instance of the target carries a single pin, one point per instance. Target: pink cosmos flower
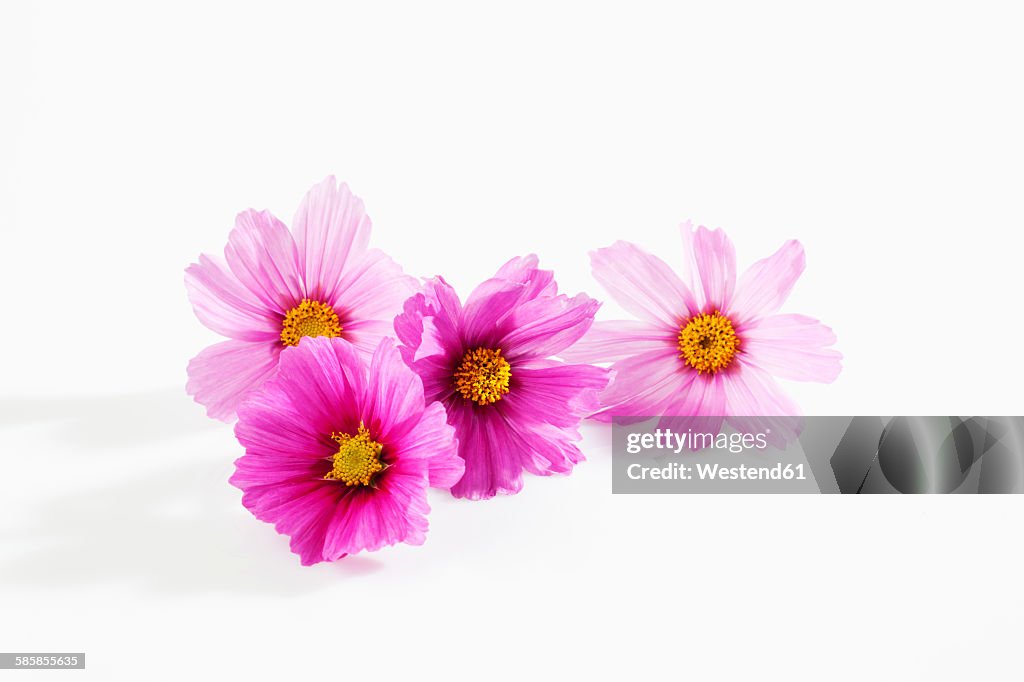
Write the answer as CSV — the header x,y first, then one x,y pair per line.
x,y
271,289
339,454
488,361
705,345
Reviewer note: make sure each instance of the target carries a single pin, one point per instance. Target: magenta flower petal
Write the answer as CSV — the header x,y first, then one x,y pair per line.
x,y
793,347
766,284
642,284
548,325
524,270
544,393
513,408
491,467
225,370
711,357
339,454
275,289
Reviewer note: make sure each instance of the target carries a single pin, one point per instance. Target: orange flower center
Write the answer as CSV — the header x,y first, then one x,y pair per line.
x,y
483,376
309,318
357,460
708,342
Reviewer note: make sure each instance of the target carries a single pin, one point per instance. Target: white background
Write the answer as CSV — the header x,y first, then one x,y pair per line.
x,y
885,136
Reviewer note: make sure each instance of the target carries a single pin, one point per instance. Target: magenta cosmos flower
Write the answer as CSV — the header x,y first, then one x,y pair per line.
x,y
339,454
705,345
488,361
272,289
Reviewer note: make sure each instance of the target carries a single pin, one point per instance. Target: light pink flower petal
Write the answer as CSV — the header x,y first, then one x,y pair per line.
x,y
223,374
261,254
614,340
751,391
644,385
374,288
225,306
700,406
332,232
766,284
712,259
365,335
792,347
703,396
643,284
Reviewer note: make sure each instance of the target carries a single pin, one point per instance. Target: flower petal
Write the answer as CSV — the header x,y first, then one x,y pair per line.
x,y
523,269
223,374
557,394
434,440
374,288
393,402
325,380
614,340
222,304
792,347
753,392
766,284
492,467
548,325
644,385
332,232
261,254
643,284
713,264
366,520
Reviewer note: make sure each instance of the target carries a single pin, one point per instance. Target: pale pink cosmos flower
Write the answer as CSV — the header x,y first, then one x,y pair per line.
x,y
704,344
273,288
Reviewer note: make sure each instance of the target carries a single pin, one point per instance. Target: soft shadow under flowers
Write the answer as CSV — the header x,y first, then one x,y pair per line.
x,y
178,529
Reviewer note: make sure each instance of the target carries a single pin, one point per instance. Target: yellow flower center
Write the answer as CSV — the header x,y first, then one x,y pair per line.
x,y
357,459
309,318
708,342
483,376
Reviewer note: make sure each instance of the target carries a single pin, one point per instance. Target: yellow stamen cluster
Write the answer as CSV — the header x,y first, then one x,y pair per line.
x,y
357,459
309,318
483,376
708,342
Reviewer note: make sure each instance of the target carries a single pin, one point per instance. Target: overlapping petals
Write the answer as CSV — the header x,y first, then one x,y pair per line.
x,y
651,377
266,272
534,426
322,387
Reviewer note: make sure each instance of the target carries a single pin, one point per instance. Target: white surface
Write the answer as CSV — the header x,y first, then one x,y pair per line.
x,y
885,136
